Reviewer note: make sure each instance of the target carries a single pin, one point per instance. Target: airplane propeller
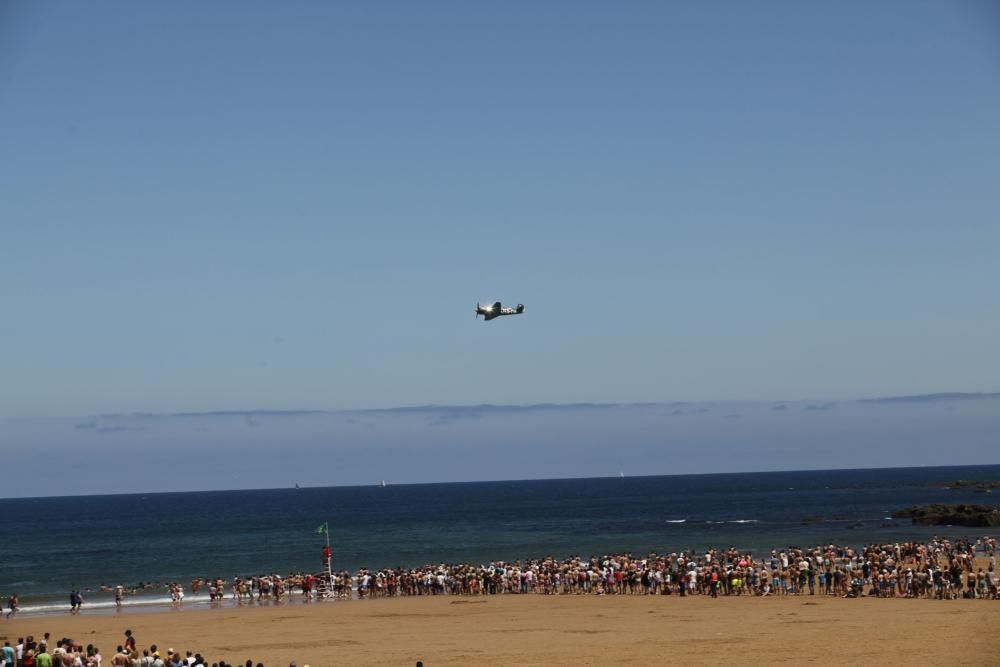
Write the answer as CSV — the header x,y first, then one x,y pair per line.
x,y
477,310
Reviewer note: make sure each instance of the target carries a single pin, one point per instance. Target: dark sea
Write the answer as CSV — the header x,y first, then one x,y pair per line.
x,y
52,545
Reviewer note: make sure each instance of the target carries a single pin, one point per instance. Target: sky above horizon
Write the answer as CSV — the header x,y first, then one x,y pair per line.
x,y
255,205
196,451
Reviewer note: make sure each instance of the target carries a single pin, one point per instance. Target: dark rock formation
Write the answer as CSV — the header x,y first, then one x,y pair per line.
x,y
982,516
978,485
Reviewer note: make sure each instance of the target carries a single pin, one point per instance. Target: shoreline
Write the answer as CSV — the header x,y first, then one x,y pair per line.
x,y
203,603
906,569
156,606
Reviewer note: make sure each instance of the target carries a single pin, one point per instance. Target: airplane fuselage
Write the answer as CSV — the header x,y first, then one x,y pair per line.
x,y
496,310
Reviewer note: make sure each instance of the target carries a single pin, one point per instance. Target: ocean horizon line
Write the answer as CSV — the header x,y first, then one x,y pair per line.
x,y
735,473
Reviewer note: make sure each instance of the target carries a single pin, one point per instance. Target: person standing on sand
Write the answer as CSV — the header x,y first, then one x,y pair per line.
x,y
58,653
12,604
129,641
43,659
8,655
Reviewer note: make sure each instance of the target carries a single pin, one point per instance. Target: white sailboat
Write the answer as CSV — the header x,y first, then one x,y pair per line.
x,y
382,484
621,473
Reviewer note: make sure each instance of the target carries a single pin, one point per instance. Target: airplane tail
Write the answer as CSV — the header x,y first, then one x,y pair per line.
x,y
520,308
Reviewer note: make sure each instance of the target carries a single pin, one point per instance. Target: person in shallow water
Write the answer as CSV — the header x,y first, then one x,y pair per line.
x,y
75,601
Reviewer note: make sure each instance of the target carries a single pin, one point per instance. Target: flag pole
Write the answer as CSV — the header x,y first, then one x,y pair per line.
x,y
329,561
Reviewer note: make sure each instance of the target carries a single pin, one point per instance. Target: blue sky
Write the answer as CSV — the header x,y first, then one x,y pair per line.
x,y
235,206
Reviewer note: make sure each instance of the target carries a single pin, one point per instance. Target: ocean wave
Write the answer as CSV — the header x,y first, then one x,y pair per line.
x,y
150,601
676,520
734,521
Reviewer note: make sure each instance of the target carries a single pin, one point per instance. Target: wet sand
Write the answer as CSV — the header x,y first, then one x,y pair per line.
x,y
559,630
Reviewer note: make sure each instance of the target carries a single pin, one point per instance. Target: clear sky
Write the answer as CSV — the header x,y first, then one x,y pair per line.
x,y
271,205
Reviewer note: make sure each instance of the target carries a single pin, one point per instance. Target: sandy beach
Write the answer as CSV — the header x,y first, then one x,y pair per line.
x,y
559,630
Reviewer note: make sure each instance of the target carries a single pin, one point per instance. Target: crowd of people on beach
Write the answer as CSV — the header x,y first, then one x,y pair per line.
x,y
67,652
939,569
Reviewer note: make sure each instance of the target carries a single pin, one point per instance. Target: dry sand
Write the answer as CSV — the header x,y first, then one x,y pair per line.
x,y
559,630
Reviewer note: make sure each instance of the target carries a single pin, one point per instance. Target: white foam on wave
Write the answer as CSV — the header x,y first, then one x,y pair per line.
x,y
106,605
676,520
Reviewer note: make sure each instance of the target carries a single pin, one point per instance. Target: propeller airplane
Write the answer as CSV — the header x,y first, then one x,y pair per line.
x,y
496,310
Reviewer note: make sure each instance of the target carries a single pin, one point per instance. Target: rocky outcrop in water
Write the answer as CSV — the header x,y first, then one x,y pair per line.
x,y
981,516
979,486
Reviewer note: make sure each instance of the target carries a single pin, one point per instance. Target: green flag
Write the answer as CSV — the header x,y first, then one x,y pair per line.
x,y
323,529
